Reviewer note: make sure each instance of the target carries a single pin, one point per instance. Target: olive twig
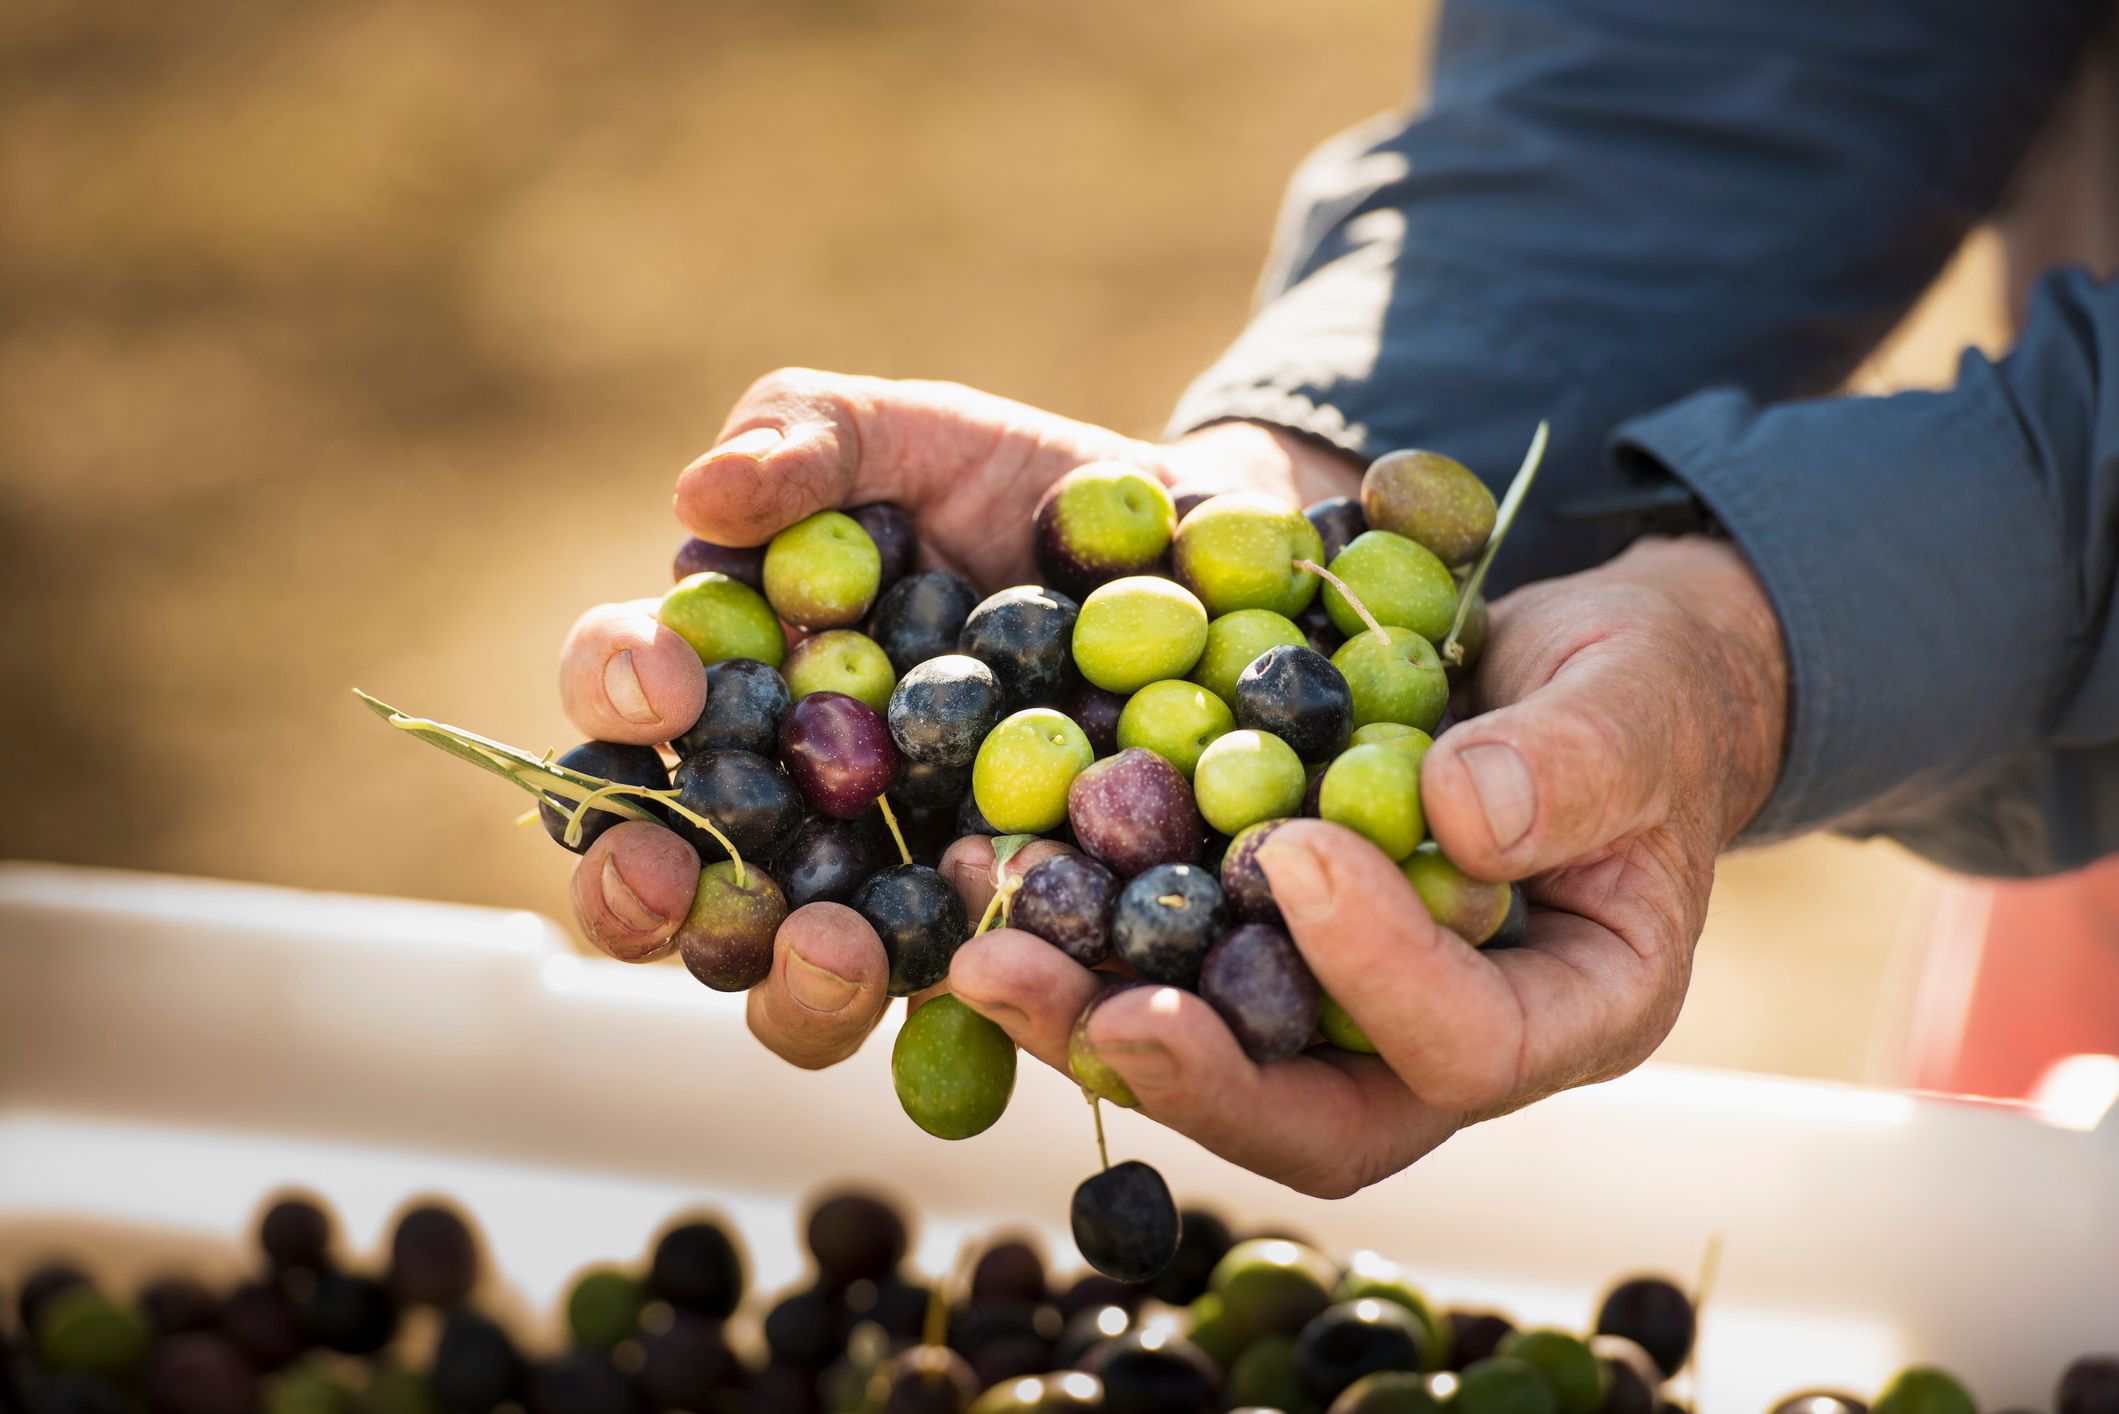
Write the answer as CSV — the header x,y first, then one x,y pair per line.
x,y
677,807
890,818
997,906
1096,1112
1345,593
1452,652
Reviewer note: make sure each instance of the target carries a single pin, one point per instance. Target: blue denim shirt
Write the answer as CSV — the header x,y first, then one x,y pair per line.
x,y
1670,227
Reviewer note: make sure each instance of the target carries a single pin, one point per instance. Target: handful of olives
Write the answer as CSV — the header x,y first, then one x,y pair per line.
x,y
1180,688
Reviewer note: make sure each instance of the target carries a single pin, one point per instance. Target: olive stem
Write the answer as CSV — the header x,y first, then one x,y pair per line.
x,y
676,807
1451,651
1345,593
997,906
890,818
1096,1112
527,817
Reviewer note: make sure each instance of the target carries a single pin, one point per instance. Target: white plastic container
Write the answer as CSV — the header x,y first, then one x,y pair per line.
x,y
172,1050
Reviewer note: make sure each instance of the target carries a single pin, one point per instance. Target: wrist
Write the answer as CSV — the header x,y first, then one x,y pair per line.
x,y
1257,456
1745,668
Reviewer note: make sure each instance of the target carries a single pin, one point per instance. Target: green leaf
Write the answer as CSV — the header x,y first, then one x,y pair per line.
x,y
1006,847
534,774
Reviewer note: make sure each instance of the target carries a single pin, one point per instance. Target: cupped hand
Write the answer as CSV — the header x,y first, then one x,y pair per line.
x,y
1629,723
969,468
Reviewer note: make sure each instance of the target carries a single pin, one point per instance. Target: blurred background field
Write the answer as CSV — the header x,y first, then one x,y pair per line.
x,y
359,344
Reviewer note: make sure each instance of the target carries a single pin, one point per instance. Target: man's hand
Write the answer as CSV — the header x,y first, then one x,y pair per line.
x,y
969,468
1630,723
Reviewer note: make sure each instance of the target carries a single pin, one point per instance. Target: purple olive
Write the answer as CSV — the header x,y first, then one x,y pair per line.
x,y
896,542
839,751
738,562
1067,901
1256,979
1134,811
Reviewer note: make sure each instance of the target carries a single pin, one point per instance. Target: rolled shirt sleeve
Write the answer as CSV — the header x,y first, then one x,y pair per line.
x,y
1942,565
1608,204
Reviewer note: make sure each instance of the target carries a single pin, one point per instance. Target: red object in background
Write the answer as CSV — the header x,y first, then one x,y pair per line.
x,y
2020,975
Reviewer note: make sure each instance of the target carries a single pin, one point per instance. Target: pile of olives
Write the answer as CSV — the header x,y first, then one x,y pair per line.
x,y
1261,1323
1179,687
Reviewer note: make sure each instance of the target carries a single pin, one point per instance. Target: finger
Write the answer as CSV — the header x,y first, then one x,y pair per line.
x,y
1465,1030
632,889
1326,1127
800,441
828,987
968,863
624,677
1580,760
1028,987
797,442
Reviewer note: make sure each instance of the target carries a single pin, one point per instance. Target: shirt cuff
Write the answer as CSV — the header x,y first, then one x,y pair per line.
x,y
1909,551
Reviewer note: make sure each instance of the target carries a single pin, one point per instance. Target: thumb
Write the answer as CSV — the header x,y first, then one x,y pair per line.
x,y
1574,764
792,446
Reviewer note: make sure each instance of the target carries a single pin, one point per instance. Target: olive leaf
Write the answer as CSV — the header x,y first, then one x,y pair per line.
x,y
1451,651
1006,847
538,775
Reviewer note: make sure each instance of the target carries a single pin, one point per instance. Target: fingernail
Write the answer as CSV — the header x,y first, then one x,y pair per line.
x,y
625,905
817,988
622,686
754,443
1145,1065
1507,795
1297,875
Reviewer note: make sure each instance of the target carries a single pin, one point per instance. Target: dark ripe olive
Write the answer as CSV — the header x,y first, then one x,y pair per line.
x,y
856,1236
178,1305
1067,901
1203,1240
1476,1336
1298,696
613,761
1009,1271
476,1365
927,1379
295,1233
745,700
920,617
920,917
827,861
748,798
1096,712
1654,1314
579,1382
1026,635
697,1267
1256,980
199,1373
745,563
1134,811
1092,1289
687,1364
1317,626
1154,1372
1338,520
839,752
1816,1401
970,820
897,543
1357,1338
349,1313
942,709
1245,885
805,1329
1165,921
1125,1222
264,1325
433,1256
1631,1377
2089,1386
